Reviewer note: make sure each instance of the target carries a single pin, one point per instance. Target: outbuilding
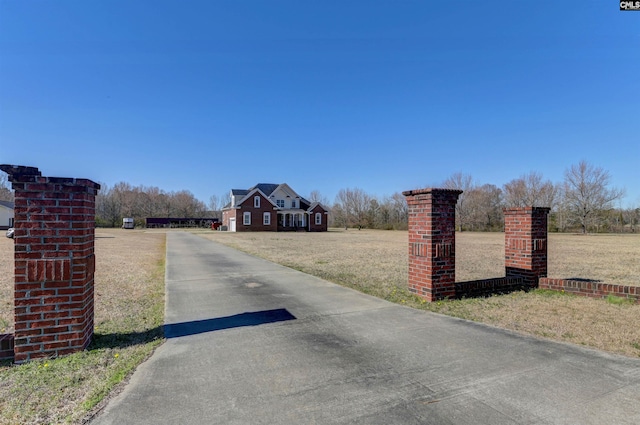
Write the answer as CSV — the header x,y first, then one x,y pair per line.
x,y
6,214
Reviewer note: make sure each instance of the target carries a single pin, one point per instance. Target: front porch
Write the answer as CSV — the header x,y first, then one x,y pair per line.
x,y
292,220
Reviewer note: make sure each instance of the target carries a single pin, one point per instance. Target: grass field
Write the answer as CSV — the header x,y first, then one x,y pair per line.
x,y
130,302
382,255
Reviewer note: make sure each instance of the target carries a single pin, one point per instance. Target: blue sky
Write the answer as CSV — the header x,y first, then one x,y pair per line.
x,y
384,96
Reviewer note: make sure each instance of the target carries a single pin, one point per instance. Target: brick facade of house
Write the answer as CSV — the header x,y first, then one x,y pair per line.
x,y
324,221
287,210
256,214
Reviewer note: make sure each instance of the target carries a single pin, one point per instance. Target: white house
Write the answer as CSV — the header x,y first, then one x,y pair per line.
x,y
6,214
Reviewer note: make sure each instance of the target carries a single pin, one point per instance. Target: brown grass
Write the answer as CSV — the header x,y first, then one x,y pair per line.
x,y
129,310
375,262
6,284
124,262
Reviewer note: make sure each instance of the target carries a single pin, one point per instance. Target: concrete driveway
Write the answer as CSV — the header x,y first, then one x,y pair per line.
x,y
251,342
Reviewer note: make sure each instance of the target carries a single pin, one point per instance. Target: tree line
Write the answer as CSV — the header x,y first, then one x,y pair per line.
x,y
584,201
139,202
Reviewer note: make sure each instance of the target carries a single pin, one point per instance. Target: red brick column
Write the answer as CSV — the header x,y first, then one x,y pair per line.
x,y
54,263
525,243
432,240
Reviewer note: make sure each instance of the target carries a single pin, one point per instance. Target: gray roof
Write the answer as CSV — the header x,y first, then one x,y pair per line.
x,y
266,188
7,204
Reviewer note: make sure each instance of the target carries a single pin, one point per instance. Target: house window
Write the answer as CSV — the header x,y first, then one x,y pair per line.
x,y
293,203
318,218
280,203
246,218
266,219
256,202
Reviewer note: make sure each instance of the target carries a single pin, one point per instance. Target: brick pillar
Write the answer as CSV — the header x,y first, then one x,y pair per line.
x,y
432,240
525,243
54,263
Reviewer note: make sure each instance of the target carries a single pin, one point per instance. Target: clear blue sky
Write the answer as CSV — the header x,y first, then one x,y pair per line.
x,y
384,96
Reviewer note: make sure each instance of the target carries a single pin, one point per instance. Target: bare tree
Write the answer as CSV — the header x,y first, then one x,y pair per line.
x,y
225,199
632,218
560,216
484,206
372,213
214,203
316,196
400,210
587,192
384,215
215,207
529,190
155,201
124,200
464,182
108,207
6,194
186,205
354,207
351,207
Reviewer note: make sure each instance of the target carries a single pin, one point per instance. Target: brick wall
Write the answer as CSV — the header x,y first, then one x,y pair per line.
x,y
432,242
324,225
54,263
227,215
432,253
488,287
525,240
257,223
593,289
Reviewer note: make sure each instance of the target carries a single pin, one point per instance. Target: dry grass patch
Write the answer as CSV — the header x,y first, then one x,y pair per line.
x,y
585,321
606,257
6,284
375,262
372,261
129,312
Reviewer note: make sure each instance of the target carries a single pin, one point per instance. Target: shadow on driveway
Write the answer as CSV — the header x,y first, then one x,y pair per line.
x,y
176,330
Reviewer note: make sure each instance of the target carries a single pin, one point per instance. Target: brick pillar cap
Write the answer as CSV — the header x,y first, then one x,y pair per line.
x,y
21,173
17,171
431,190
520,210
